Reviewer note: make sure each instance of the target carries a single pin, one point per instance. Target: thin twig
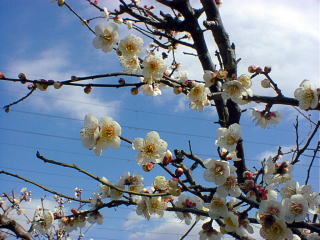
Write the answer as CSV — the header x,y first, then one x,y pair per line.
x,y
20,100
189,230
309,168
43,187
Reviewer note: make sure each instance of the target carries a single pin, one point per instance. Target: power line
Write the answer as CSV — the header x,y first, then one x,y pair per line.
x,y
139,128
112,157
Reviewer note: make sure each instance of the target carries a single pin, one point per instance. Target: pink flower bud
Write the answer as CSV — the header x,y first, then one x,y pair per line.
x,y
179,172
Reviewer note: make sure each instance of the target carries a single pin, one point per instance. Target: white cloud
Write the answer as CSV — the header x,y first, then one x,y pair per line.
x,y
72,101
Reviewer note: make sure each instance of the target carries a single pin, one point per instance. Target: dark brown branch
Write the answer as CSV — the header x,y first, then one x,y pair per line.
x,y
15,227
189,230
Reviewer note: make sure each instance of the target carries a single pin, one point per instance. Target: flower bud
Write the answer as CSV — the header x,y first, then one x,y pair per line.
x,y
167,158
122,81
177,90
74,211
252,69
74,78
22,78
219,2
87,89
60,3
7,109
259,70
134,91
42,85
31,86
148,167
2,75
57,85
265,83
267,69
118,19
179,172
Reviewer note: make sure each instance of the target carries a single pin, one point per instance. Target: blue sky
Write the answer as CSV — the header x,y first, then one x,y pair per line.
x,y
45,41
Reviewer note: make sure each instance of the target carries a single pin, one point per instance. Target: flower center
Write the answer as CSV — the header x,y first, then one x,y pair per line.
x,y
273,211
217,203
296,208
149,149
308,95
230,140
218,170
230,183
153,65
107,133
233,89
130,47
107,36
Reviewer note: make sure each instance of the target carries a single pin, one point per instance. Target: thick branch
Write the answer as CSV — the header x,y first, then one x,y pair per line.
x,y
15,227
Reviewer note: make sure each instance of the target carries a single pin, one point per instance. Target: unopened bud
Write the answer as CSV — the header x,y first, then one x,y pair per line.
x,y
87,89
2,75
267,69
60,3
134,91
148,167
42,85
177,90
7,109
259,70
118,19
252,69
57,85
179,172
122,81
167,158
30,86
74,78
74,211
22,77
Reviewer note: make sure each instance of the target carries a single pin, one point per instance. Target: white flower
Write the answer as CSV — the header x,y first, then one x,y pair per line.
x,y
295,208
104,189
245,80
90,133
264,118
151,149
188,202
231,222
307,95
106,37
198,96
131,64
43,220
270,207
106,13
134,182
314,205
151,89
218,207
109,135
96,200
217,171
129,24
235,91
153,67
274,228
230,187
149,206
160,183
209,234
228,137
95,217
210,78
131,46
115,194
265,83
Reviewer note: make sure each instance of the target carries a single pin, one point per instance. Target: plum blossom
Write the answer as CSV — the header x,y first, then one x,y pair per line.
x,y
228,137
307,95
134,182
198,96
153,67
295,208
210,78
274,228
234,90
148,206
231,222
131,46
276,173
98,135
151,149
218,207
209,234
43,220
230,187
131,64
245,80
106,37
160,183
270,207
188,202
109,135
264,118
151,89
217,171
